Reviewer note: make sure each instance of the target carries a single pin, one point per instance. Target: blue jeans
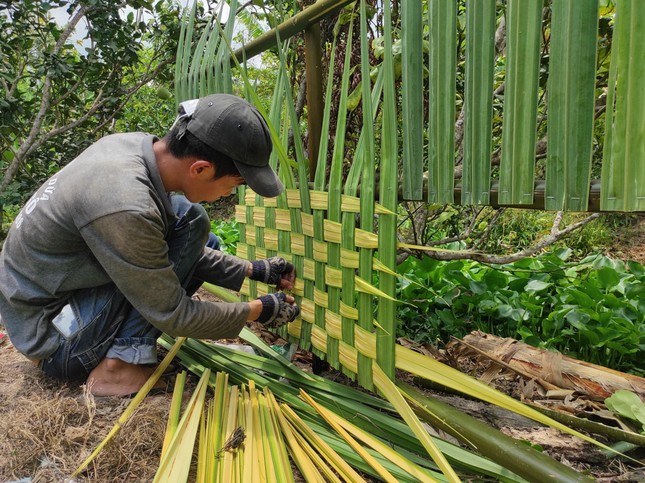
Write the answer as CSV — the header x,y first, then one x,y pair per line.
x,y
100,322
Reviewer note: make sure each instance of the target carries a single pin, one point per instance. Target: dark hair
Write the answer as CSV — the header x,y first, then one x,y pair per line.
x,y
182,143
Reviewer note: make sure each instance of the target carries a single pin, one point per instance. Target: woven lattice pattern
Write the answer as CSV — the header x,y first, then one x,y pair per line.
x,y
329,316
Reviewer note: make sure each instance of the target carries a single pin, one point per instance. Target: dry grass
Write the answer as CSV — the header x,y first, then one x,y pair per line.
x,y
50,430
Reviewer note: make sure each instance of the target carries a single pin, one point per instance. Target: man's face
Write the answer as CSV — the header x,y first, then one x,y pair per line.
x,y
202,186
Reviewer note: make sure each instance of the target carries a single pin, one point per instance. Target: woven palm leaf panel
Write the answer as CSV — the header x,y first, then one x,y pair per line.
x,y
350,268
252,216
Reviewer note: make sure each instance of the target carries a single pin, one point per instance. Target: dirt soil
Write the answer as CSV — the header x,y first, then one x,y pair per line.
x,y
631,242
48,429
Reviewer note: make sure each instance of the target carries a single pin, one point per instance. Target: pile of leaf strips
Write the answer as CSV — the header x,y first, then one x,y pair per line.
x,y
329,430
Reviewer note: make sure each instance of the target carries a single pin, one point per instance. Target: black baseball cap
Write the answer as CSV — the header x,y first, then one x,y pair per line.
x,y
232,126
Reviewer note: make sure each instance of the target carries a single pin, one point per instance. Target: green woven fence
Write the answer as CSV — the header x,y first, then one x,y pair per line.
x,y
342,234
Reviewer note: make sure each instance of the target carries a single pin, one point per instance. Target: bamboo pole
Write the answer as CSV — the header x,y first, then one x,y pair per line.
x,y
315,96
290,27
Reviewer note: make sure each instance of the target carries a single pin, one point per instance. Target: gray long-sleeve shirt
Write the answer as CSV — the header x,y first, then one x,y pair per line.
x,y
103,218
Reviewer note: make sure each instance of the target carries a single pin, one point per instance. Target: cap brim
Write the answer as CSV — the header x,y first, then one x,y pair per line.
x,y
261,179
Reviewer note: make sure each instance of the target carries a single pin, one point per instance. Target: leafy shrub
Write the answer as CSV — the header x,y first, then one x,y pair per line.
x,y
229,234
593,310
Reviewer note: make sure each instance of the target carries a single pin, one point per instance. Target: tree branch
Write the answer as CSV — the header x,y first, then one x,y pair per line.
x,y
555,235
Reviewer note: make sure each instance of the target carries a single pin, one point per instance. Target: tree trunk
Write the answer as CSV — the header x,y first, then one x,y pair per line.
x,y
594,381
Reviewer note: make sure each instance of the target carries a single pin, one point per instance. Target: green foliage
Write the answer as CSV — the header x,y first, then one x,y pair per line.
x,y
627,404
229,234
148,111
593,310
60,92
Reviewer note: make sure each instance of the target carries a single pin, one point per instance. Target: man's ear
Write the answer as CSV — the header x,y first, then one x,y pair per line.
x,y
200,166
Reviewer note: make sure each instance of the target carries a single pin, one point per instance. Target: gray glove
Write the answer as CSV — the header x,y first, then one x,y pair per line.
x,y
272,270
276,311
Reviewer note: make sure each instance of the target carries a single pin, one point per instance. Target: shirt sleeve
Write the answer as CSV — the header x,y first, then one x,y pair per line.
x,y
221,269
131,248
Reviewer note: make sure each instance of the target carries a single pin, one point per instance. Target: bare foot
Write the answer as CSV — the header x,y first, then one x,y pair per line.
x,y
113,377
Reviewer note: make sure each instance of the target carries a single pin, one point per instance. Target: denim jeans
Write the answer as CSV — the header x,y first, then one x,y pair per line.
x,y
100,322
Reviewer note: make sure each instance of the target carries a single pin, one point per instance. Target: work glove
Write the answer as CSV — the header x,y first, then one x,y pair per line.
x,y
277,310
274,271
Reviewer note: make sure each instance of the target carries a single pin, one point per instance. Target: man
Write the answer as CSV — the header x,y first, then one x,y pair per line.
x,y
105,256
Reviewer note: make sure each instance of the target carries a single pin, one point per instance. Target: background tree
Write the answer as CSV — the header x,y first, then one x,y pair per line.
x,y
58,94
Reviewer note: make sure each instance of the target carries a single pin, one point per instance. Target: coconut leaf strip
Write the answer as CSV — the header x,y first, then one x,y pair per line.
x,y
300,457
228,463
388,193
415,471
478,101
216,427
623,176
441,126
433,370
370,417
375,464
175,410
387,387
275,439
572,67
523,460
334,459
295,219
176,466
368,184
182,63
341,287
517,168
412,98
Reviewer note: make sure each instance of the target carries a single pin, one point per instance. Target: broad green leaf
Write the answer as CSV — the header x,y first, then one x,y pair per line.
x,y
627,404
537,286
608,277
495,280
636,268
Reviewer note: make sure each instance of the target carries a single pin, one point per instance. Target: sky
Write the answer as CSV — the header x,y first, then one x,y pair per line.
x,y
61,17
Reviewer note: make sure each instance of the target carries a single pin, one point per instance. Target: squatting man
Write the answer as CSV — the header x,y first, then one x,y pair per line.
x,y
107,253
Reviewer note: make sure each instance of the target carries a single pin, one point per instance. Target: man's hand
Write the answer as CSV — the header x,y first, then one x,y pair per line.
x,y
277,309
274,271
